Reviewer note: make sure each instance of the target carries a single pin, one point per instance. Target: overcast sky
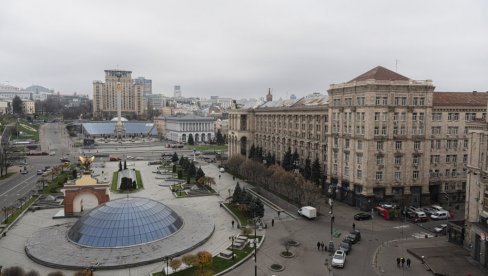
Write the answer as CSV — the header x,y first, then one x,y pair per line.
x,y
240,49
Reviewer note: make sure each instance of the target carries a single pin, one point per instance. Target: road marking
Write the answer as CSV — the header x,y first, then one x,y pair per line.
x,y
17,185
401,226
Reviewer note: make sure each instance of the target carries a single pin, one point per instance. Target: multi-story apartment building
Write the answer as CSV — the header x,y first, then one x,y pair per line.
x,y
105,94
382,136
301,125
476,208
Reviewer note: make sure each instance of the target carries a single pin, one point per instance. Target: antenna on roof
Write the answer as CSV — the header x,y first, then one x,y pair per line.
x,y
396,65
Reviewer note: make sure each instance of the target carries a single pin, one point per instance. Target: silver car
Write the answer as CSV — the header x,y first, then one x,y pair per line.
x,y
339,259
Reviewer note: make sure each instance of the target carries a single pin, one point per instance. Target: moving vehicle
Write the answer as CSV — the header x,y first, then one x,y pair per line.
x,y
114,158
362,216
339,259
52,153
442,229
346,247
308,212
39,172
64,160
221,170
440,215
24,172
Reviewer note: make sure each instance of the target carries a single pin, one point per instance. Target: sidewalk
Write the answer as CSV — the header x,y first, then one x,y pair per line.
x,y
441,257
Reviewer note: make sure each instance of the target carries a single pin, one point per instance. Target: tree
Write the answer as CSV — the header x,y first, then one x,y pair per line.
x,y
259,208
251,206
17,106
174,168
180,174
252,152
74,173
174,158
287,161
242,196
294,159
220,138
259,154
307,171
189,259
120,166
175,264
204,259
236,194
199,174
315,172
190,139
191,169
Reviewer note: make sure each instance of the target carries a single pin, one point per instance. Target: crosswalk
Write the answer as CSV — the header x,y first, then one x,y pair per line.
x,y
422,235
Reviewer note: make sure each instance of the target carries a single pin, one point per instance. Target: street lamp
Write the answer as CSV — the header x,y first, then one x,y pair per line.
x,y
232,238
167,259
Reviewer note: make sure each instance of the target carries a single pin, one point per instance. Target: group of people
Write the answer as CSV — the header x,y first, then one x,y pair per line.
x,y
321,245
401,262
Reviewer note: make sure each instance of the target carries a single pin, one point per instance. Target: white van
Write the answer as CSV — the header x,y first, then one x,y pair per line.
x,y
440,215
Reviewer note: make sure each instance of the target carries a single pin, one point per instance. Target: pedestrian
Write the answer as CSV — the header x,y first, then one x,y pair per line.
x,y
403,262
279,212
398,262
322,245
220,176
318,246
408,262
233,178
353,226
272,222
232,224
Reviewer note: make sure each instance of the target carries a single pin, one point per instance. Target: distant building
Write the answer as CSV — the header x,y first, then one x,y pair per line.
x,y
156,101
177,92
105,95
179,128
28,107
9,92
269,97
146,83
74,100
5,107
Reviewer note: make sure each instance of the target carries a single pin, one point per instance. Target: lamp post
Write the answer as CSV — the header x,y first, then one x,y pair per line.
x,y
255,247
167,259
232,238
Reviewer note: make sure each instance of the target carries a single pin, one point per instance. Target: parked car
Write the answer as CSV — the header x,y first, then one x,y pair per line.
x,y
410,213
354,236
24,172
346,247
339,259
39,172
387,205
428,210
139,158
362,216
440,215
437,208
441,229
420,216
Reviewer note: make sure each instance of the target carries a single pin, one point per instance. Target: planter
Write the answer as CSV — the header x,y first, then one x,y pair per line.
x,y
277,267
293,243
288,254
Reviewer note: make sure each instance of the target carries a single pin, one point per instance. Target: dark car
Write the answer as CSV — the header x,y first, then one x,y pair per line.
x,y
346,247
354,236
362,216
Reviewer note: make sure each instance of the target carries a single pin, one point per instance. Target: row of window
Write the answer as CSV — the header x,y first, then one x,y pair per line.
x,y
381,100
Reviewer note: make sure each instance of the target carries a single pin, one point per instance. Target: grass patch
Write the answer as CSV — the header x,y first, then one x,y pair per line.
x,y
115,177
17,212
140,185
242,216
210,147
218,264
7,175
29,131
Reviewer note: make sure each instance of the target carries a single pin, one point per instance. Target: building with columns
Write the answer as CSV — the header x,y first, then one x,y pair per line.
x,y
381,137
105,95
179,128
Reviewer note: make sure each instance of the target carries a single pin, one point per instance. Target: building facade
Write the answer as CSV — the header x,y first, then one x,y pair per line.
x,y
381,137
28,107
147,90
105,95
476,208
179,128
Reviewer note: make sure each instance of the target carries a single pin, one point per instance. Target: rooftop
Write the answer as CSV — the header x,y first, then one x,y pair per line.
x,y
380,73
460,99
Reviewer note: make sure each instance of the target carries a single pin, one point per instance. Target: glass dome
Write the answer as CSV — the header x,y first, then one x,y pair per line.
x,y
125,222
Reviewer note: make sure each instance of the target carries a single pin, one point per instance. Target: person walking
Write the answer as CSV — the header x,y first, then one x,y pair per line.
x,y
322,244
408,262
403,262
318,246
272,222
353,226
232,223
398,262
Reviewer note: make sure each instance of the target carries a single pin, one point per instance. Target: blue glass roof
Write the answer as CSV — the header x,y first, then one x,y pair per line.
x,y
125,222
107,128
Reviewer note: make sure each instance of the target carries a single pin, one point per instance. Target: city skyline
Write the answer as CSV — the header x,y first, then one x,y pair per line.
x,y
241,49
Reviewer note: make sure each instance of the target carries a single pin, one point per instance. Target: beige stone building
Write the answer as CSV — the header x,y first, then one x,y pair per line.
x,y
300,125
381,137
476,208
28,107
105,95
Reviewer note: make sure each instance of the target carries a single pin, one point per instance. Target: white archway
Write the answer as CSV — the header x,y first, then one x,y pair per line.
x,y
84,201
